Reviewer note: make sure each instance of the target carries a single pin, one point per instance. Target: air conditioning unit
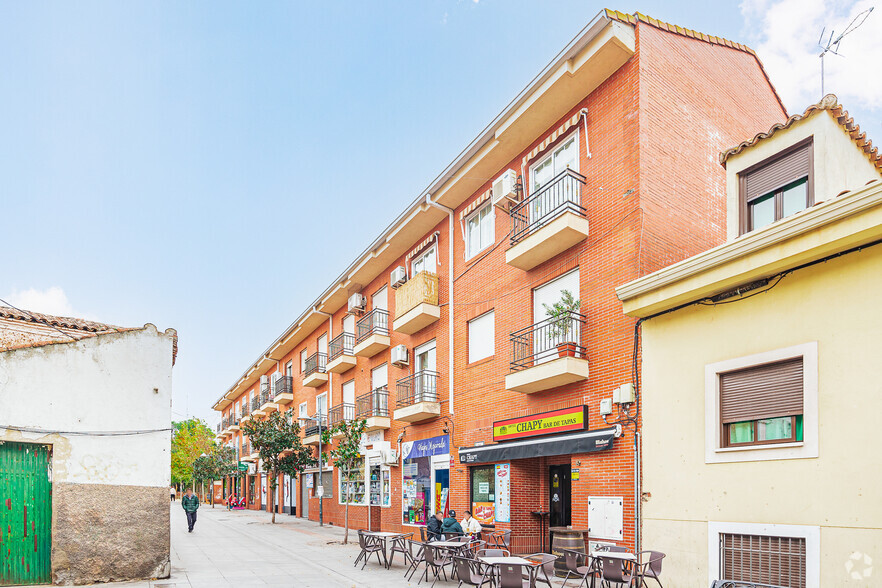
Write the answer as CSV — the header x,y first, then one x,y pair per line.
x,y
390,457
264,380
399,355
505,189
357,304
398,277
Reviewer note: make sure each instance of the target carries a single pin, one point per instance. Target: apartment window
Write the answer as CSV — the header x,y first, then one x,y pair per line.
x,y
302,412
780,561
777,187
479,230
289,368
762,404
481,336
303,361
427,261
564,156
321,404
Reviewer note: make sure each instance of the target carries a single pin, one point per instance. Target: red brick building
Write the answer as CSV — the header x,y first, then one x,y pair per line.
x,y
602,170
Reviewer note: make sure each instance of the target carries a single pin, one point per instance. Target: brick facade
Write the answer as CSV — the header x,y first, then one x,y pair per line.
x,y
654,195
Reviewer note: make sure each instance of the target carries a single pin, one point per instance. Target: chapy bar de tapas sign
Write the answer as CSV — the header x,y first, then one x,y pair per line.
x,y
546,423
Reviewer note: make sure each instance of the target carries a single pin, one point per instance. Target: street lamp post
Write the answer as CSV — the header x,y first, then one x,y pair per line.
x,y
321,477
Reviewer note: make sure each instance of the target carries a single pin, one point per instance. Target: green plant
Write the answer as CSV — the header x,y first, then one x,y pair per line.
x,y
190,439
347,455
277,439
561,314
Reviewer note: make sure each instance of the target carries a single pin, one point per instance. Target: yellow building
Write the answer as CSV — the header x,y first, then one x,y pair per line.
x,y
762,371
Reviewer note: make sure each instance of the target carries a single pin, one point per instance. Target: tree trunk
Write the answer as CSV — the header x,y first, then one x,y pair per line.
x,y
271,497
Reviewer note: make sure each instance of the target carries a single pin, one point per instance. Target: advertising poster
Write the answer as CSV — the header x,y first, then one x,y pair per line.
x,y
503,493
484,513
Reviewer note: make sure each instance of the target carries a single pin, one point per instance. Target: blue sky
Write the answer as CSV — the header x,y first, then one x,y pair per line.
x,y
212,166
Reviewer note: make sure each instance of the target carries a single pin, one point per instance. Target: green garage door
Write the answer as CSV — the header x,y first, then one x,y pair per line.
x,y
25,514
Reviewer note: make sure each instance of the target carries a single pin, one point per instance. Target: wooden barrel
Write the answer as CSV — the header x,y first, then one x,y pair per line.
x,y
565,539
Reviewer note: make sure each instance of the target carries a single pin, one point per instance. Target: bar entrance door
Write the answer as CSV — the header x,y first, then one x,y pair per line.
x,y
560,495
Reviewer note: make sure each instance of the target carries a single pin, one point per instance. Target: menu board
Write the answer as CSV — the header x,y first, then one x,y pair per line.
x,y
503,493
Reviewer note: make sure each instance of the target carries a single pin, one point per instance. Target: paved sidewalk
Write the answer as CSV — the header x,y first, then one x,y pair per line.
x,y
242,549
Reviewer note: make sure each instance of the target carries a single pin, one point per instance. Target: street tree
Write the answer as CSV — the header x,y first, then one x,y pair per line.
x,y
190,439
346,456
277,440
219,463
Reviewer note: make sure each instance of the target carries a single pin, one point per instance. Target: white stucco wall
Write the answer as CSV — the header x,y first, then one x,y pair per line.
x,y
115,382
839,163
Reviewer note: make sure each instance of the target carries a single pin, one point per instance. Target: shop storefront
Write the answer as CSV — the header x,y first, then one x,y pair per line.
x,y
425,478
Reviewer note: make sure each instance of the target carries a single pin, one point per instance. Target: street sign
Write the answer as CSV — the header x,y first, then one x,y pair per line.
x,y
320,491
243,467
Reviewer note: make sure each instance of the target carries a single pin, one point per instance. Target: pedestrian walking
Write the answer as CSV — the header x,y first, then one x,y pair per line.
x,y
190,504
173,492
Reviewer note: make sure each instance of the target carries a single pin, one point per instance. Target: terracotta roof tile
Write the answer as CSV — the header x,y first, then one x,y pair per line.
x,y
830,103
77,324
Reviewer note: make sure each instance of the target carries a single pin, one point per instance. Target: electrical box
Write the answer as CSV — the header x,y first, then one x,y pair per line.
x,y
624,394
606,406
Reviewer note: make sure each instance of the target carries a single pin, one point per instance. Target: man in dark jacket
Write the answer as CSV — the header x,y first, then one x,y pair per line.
x,y
433,529
190,503
450,526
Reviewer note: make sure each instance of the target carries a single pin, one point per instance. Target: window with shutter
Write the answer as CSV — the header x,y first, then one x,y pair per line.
x,y
481,337
777,187
779,561
762,404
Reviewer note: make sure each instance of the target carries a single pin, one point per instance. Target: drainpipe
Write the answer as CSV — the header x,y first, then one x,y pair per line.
x,y
330,400
449,212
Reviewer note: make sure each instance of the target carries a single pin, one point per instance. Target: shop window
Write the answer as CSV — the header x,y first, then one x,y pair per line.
x,y
484,494
380,484
425,475
352,485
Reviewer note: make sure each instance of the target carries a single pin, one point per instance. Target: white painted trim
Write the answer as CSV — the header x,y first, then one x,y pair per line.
x,y
465,223
811,534
551,150
809,220
808,448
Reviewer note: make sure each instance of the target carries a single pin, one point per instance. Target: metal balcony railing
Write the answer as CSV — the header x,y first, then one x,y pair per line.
x,y
255,402
376,322
265,390
342,413
225,422
234,421
283,385
314,424
219,429
562,194
373,404
547,340
419,387
246,409
342,344
317,362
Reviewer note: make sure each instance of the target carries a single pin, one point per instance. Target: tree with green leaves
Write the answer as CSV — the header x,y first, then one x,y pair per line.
x,y
190,439
220,462
347,455
277,439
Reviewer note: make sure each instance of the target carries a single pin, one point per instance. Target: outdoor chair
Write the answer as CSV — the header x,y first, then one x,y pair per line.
x,y
435,562
416,560
501,539
368,546
512,576
473,547
546,566
574,561
470,572
616,570
737,584
492,553
650,563
401,544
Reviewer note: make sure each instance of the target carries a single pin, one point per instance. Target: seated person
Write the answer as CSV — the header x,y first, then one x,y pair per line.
x,y
450,527
433,528
471,525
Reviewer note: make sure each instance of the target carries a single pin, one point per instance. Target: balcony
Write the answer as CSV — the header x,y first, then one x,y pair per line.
x,y
253,454
547,355
246,413
418,397
341,354
234,423
416,304
255,406
373,407
316,372
372,333
312,428
283,390
267,405
342,413
548,222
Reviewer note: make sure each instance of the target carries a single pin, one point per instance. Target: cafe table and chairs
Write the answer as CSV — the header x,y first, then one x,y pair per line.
x,y
512,572
399,545
435,558
649,564
471,572
370,545
580,566
617,567
545,566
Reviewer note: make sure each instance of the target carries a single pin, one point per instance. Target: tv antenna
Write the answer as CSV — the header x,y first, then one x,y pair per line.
x,y
832,45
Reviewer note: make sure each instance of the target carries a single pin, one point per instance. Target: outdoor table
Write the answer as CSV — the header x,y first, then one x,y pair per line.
x,y
514,560
384,536
614,555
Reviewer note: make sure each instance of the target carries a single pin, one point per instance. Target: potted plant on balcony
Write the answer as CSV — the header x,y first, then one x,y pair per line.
x,y
561,328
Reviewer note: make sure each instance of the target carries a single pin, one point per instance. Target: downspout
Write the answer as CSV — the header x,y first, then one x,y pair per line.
x,y
330,336
330,400
449,212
